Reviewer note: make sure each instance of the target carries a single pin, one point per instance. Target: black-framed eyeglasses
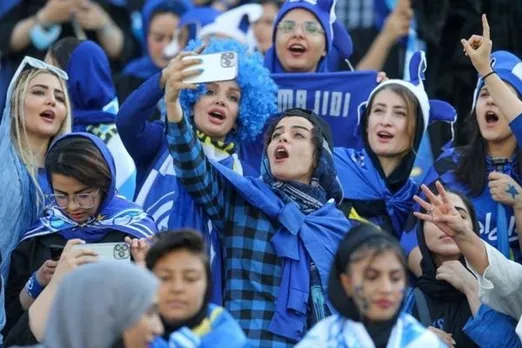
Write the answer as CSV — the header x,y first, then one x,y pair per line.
x,y
82,200
288,26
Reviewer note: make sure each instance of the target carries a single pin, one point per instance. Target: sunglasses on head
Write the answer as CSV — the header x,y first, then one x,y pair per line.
x,y
38,64
288,26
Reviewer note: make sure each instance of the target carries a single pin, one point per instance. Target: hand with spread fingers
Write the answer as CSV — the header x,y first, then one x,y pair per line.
x,y
478,49
441,212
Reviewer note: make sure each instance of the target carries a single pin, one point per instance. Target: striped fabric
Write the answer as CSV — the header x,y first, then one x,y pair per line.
x,y
252,271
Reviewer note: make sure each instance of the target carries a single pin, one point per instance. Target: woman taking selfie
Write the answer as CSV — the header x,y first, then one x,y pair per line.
x,y
180,260
366,287
224,115
279,231
85,205
488,169
446,294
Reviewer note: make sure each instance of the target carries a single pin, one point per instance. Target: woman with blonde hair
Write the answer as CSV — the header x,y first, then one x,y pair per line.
x,y
37,110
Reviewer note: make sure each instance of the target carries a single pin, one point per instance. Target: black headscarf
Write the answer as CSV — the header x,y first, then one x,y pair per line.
x,y
379,331
444,301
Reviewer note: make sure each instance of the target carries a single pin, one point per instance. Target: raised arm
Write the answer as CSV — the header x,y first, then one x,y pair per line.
x,y
199,177
478,49
142,139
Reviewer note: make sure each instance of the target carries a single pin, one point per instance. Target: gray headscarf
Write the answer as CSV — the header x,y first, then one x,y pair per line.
x,y
97,302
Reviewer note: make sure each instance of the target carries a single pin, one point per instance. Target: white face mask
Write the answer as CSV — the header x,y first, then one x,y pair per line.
x,y
172,49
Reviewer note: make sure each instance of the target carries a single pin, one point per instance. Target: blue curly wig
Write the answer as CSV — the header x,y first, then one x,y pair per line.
x,y
258,91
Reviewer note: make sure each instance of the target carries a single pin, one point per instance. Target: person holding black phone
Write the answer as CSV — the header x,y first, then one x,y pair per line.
x,y
86,206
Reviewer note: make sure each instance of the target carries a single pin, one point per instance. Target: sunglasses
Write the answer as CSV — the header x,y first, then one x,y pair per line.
x,y
288,26
38,64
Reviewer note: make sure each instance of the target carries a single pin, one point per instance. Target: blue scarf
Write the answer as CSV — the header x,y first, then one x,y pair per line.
x,y
115,212
356,167
93,96
302,238
311,229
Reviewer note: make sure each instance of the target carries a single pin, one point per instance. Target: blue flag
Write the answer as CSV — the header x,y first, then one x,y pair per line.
x,y
334,96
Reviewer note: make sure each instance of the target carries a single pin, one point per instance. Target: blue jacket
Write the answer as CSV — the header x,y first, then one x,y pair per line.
x,y
485,206
488,328
218,329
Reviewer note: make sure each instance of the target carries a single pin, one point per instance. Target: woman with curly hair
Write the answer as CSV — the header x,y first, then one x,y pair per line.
x,y
223,114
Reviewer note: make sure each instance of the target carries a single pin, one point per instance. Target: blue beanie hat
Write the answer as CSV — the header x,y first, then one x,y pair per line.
x,y
508,67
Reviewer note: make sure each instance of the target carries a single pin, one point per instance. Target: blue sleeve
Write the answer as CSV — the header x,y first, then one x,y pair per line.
x,y
202,181
516,128
142,139
489,328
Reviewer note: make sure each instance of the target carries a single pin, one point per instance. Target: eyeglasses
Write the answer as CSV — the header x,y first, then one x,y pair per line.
x,y
38,64
82,200
312,28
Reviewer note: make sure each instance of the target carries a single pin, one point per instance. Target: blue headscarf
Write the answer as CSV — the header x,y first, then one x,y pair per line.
x,y
92,92
338,41
115,212
144,66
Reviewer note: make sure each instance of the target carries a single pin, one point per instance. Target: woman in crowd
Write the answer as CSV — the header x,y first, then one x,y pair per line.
x,y
499,278
278,232
303,36
180,260
160,20
225,114
94,102
85,205
366,287
376,180
126,315
446,294
491,160
37,111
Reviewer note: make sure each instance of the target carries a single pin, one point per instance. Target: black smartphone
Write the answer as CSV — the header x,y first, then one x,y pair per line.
x,y
56,252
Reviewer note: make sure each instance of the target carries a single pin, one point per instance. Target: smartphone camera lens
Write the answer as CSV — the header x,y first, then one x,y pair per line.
x,y
121,251
227,59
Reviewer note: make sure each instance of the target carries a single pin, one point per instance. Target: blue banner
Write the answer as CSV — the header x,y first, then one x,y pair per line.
x,y
334,96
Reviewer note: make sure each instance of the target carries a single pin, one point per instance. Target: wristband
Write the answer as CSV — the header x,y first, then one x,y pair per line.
x,y
488,74
33,287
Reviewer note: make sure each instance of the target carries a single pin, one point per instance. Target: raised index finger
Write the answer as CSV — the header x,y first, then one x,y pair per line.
x,y
485,27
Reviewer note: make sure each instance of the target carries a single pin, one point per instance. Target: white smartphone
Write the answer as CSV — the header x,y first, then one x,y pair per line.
x,y
108,251
220,66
